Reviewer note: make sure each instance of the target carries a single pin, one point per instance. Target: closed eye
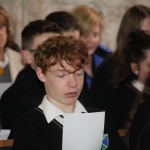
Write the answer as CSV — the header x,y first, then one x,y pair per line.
x,y
79,74
60,76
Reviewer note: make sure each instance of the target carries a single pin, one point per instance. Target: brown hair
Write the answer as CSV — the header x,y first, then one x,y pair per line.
x,y
87,18
145,96
61,48
131,21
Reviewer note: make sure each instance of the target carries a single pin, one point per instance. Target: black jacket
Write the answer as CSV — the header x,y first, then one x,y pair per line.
x,y
25,94
32,132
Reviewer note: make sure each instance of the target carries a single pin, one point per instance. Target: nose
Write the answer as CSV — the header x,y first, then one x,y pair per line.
x,y
72,82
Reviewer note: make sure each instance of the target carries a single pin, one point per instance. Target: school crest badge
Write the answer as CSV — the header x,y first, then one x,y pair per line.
x,y
105,142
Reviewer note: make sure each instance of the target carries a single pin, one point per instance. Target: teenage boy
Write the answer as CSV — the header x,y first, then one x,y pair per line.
x,y
59,65
70,26
28,90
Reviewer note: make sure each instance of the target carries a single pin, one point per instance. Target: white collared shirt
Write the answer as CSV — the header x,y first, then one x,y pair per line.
x,y
138,85
52,112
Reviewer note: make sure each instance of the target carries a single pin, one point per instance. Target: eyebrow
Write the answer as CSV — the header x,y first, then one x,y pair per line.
x,y
60,70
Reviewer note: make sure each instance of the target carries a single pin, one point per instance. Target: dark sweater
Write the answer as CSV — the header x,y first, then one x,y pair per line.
x,y
32,132
98,57
144,138
142,116
99,92
25,94
121,104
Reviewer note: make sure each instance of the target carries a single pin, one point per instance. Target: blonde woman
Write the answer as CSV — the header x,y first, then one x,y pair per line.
x,y
91,27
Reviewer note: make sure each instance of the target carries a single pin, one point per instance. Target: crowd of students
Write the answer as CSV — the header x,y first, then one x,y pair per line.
x,y
64,68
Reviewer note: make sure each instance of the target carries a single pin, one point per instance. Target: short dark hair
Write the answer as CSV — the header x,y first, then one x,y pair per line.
x,y
64,20
35,28
61,48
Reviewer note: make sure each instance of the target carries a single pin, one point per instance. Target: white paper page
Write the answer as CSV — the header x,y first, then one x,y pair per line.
x,y
4,134
4,86
83,131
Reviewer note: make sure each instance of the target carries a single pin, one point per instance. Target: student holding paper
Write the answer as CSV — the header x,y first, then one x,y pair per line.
x,y
59,64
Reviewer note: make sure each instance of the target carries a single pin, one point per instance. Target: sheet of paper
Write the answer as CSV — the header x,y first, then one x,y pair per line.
x,y
4,134
83,131
4,86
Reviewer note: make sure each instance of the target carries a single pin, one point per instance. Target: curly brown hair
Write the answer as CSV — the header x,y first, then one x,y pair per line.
x,y
61,48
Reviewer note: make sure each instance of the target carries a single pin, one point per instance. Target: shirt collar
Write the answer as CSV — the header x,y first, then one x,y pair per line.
x,y
138,85
5,62
51,111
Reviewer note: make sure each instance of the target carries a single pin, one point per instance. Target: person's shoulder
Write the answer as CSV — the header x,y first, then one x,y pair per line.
x,y
35,115
14,88
104,48
106,65
27,69
8,92
126,90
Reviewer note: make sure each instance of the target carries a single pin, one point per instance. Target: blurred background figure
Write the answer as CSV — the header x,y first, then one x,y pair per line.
x,y
105,81
67,22
10,60
138,117
91,28
132,73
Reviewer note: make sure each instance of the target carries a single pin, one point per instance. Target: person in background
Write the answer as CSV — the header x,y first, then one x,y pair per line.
x,y
66,22
10,60
27,91
59,65
91,27
138,117
105,81
134,70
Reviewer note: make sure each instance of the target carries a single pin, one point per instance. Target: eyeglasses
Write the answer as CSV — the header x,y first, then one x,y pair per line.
x,y
31,50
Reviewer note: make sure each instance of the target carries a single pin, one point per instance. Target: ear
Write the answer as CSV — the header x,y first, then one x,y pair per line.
x,y
40,74
134,68
26,56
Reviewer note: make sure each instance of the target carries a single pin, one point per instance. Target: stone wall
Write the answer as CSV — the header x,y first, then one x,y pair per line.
x,y
111,11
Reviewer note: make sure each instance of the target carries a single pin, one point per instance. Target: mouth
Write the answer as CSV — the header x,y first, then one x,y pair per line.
x,y
71,94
